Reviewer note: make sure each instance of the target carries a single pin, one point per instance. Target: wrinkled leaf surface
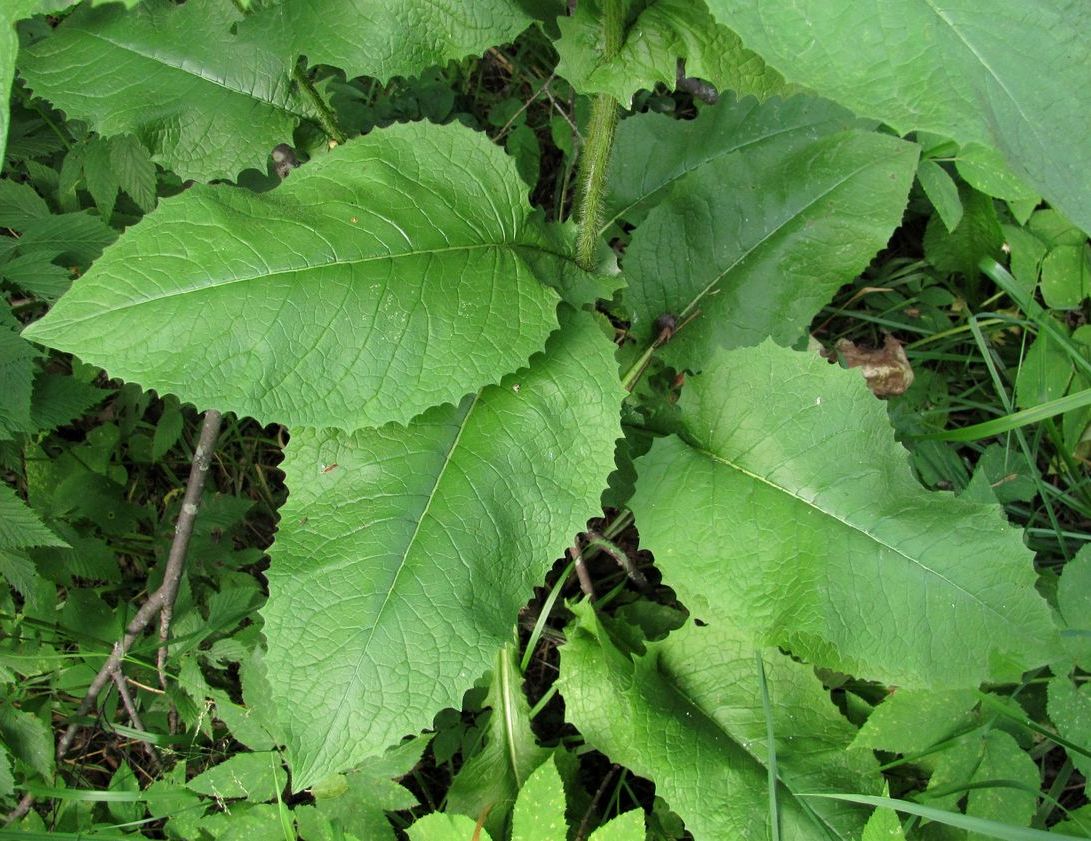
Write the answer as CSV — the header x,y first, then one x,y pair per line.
x,y
404,553
380,280
790,510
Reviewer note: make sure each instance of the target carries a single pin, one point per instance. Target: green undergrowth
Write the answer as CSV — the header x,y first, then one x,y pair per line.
x,y
795,380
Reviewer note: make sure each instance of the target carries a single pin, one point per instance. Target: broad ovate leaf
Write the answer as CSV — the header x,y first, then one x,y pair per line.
x,y
404,553
754,244
205,102
688,714
393,38
1006,75
657,35
375,282
653,151
790,509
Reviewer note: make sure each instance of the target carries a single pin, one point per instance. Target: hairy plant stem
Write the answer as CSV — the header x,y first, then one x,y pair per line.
x,y
593,162
597,145
326,118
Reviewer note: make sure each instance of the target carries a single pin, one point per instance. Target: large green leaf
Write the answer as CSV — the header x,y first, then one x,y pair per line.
x,y
1009,74
404,553
754,244
790,510
653,151
11,12
657,34
368,287
490,780
689,715
393,38
204,101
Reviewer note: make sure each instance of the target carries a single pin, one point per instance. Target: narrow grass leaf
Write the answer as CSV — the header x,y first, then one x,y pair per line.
x,y
990,829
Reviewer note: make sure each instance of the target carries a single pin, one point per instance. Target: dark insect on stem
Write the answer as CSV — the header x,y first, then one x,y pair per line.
x,y
665,327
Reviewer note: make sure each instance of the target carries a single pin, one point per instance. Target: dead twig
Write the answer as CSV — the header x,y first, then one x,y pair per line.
x,y
581,833
160,603
134,718
198,472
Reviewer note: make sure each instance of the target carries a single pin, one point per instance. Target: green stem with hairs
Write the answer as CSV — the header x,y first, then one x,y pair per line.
x,y
597,146
326,118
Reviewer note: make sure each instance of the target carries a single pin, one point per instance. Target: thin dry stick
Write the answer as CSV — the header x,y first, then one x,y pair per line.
x,y
127,701
134,718
198,472
161,600
581,833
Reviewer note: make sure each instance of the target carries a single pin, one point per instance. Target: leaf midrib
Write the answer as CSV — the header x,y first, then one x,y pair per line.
x,y
1032,124
510,714
780,132
850,525
689,701
700,296
352,682
159,60
197,290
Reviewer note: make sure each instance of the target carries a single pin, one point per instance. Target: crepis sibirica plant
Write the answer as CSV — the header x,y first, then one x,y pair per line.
x,y
470,374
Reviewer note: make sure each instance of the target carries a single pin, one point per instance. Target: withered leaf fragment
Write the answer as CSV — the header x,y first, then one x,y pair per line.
x,y
886,369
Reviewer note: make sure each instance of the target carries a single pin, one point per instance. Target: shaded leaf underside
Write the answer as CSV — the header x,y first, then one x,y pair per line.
x,y
652,152
764,253
1013,75
394,38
